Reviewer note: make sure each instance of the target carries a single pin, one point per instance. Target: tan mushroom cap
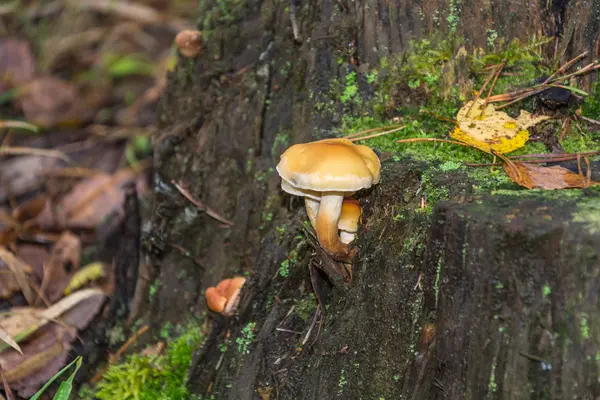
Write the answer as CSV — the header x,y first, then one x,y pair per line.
x,y
189,42
225,297
223,286
215,301
330,165
350,216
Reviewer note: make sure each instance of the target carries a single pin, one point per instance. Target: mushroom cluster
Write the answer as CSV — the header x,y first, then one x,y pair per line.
x,y
324,173
225,297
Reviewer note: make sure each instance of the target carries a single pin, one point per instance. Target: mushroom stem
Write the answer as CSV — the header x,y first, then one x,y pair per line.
x,y
312,209
346,237
327,225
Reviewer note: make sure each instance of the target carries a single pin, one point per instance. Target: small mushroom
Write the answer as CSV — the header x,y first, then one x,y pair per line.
x,y
225,298
349,218
189,43
215,301
328,170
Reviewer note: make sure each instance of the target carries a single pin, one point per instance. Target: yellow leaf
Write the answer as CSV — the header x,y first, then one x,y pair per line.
x,y
89,273
493,130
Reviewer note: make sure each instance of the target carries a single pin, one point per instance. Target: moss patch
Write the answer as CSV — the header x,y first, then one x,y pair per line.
x,y
151,377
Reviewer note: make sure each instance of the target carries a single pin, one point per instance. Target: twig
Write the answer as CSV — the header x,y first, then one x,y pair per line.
x,y
200,205
377,134
415,140
7,391
487,98
587,119
557,157
489,78
115,357
482,165
532,357
566,66
564,129
588,172
295,30
356,134
312,325
24,151
449,120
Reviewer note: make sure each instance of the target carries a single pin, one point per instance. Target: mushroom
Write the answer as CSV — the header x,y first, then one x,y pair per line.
x,y
189,43
225,298
328,170
349,218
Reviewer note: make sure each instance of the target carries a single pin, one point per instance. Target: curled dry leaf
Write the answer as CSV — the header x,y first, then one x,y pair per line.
x,y
493,130
533,176
62,264
18,269
17,66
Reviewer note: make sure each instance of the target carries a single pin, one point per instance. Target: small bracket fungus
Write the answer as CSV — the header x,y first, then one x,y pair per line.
x,y
325,172
189,43
225,298
349,218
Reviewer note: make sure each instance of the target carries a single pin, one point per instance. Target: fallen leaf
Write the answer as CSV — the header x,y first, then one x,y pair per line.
x,y
34,256
21,175
30,209
495,130
49,102
17,66
62,264
89,273
19,270
6,338
77,309
42,357
533,176
89,203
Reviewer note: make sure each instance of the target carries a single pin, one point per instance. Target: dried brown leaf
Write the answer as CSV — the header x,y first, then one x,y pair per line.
x,y
19,270
17,66
62,264
35,256
21,175
89,203
5,336
30,209
533,176
49,101
42,357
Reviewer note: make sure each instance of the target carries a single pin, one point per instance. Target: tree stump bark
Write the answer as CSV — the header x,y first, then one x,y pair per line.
x,y
509,284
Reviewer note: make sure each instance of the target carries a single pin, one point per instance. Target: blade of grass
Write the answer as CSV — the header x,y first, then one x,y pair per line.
x,y
66,387
19,125
572,89
76,362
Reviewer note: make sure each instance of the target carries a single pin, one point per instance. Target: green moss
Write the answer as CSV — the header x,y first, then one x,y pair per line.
x,y
351,89
546,290
588,213
305,307
161,377
246,338
584,325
